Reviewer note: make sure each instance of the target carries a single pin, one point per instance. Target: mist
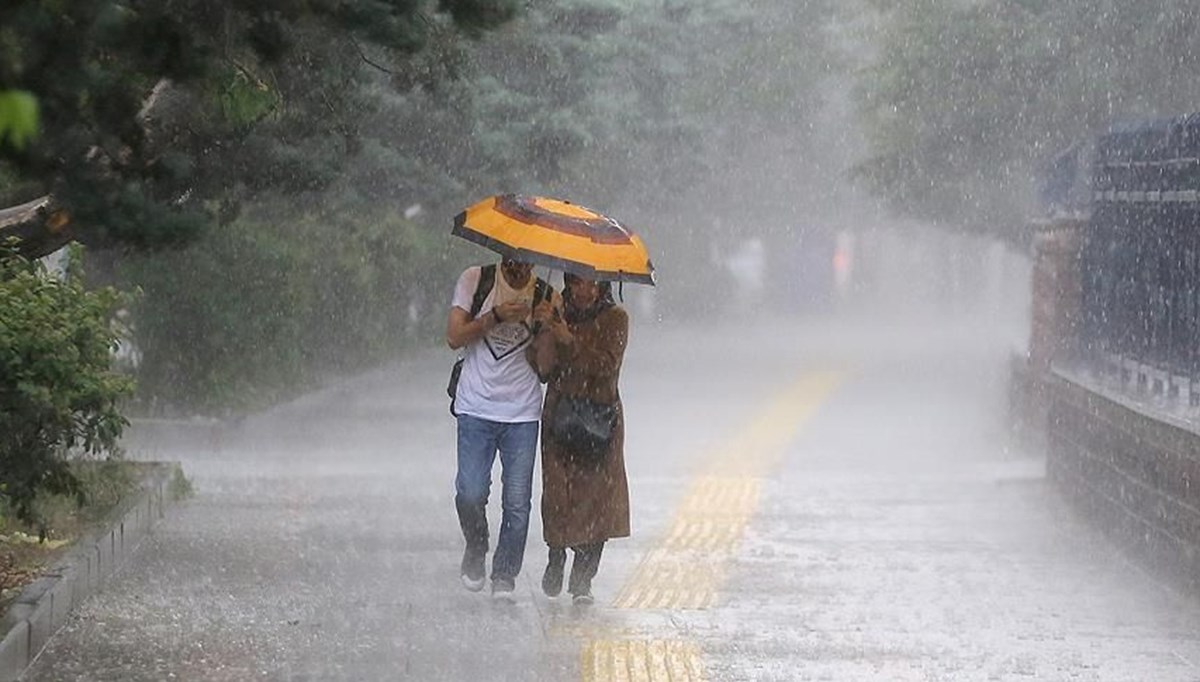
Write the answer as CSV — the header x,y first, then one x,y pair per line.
x,y
848,399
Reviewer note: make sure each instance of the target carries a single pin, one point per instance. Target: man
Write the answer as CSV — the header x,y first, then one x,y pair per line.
x,y
498,402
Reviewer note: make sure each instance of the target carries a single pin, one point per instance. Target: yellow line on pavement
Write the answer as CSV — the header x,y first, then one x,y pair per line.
x,y
641,660
688,568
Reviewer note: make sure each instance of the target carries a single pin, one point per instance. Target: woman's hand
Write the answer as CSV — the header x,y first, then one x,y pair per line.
x,y
544,313
548,319
562,333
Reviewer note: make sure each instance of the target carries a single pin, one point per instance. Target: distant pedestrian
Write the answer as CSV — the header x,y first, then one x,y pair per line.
x,y
585,494
497,401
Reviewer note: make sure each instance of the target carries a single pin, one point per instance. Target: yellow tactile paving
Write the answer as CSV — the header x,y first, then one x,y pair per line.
x,y
721,496
688,567
641,660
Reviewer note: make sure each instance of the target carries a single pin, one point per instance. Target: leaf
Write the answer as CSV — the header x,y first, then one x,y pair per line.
x,y
18,117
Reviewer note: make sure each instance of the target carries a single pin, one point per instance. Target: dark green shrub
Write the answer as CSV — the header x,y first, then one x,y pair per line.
x,y
58,391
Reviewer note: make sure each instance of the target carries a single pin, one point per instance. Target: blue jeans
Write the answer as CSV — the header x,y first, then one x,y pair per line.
x,y
478,442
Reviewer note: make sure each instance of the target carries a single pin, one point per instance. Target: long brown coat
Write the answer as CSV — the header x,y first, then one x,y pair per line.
x,y
582,503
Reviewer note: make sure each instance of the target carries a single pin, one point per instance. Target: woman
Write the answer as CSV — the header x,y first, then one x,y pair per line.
x,y
585,495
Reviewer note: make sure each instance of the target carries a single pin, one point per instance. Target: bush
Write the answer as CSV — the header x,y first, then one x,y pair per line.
x,y
58,391
259,310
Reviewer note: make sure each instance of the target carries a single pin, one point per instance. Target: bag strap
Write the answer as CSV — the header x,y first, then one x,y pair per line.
x,y
487,280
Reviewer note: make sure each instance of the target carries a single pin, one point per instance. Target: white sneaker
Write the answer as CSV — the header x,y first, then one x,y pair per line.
x,y
503,590
472,584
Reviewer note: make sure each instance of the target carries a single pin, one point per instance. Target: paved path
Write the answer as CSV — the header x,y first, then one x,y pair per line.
x,y
813,502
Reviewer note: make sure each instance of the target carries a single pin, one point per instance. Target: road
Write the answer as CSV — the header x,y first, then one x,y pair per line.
x,y
816,500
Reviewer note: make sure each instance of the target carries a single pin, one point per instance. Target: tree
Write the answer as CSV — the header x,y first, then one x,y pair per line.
x,y
58,392
126,167
964,101
304,137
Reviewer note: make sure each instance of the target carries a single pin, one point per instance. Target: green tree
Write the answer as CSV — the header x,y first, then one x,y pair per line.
x,y
963,101
639,107
126,167
58,392
18,118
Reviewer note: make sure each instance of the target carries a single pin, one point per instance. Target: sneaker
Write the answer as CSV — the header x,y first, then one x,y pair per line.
x,y
503,590
585,599
473,572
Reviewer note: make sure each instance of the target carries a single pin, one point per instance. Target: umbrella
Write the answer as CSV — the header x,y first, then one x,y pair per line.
x,y
557,234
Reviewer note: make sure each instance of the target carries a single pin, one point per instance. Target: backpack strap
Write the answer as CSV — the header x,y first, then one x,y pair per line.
x,y
487,280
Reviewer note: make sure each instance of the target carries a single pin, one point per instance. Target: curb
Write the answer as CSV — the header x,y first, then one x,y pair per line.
x,y
42,607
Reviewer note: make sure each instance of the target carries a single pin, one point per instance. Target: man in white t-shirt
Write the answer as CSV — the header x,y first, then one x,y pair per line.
x,y
498,404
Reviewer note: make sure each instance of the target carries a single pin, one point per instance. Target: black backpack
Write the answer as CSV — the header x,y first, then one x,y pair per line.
x,y
487,280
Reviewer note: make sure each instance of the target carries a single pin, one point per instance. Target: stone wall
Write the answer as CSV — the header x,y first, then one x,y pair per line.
x,y
1133,471
1134,474
1055,313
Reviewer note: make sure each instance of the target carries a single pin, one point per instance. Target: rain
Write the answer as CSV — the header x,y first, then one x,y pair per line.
x,y
877,322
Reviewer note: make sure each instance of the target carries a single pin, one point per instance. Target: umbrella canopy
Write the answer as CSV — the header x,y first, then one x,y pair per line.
x,y
557,234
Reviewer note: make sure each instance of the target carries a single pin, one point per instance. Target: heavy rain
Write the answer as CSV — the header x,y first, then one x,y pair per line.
x,y
799,340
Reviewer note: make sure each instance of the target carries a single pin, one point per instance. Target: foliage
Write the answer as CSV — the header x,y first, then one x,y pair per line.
x,y
18,118
683,119
625,105
27,550
249,314
272,153
58,392
963,101
146,106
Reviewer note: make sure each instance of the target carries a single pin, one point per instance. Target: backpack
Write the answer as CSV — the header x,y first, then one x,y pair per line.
x,y
487,281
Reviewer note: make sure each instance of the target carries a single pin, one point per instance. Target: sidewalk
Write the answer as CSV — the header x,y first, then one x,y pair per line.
x,y
876,528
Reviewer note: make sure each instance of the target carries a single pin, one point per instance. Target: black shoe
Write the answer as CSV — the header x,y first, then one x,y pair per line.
x,y
552,579
473,571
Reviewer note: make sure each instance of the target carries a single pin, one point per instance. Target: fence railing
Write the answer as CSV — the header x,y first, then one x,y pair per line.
x,y
1140,259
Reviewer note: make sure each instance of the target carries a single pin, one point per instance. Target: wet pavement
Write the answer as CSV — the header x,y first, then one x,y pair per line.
x,y
817,501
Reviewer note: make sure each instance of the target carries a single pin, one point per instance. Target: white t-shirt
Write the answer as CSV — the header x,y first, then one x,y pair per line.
x,y
497,382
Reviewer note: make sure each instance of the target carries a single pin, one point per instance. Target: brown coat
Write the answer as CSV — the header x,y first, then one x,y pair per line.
x,y
583,504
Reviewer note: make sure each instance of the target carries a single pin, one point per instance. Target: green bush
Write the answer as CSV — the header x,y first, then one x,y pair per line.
x,y
258,310
58,391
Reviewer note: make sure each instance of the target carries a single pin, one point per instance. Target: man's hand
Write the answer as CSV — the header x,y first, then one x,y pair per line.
x,y
512,311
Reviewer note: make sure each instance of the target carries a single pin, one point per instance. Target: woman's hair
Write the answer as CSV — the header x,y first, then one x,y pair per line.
x,y
603,300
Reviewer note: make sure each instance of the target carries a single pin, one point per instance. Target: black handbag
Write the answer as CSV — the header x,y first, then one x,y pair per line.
x,y
584,428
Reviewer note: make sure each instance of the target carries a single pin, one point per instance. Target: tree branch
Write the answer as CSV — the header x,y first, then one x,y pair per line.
x,y
367,59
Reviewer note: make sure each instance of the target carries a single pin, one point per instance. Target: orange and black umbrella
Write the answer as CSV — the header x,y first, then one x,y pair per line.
x,y
557,234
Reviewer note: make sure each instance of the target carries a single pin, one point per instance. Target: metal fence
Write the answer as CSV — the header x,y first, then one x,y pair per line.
x,y
1140,261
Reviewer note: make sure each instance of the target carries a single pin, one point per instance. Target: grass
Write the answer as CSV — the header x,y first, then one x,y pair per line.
x,y
27,550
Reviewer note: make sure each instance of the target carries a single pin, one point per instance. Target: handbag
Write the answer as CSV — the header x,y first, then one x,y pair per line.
x,y
584,427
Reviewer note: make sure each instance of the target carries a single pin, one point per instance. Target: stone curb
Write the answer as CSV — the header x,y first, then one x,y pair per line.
x,y
43,607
